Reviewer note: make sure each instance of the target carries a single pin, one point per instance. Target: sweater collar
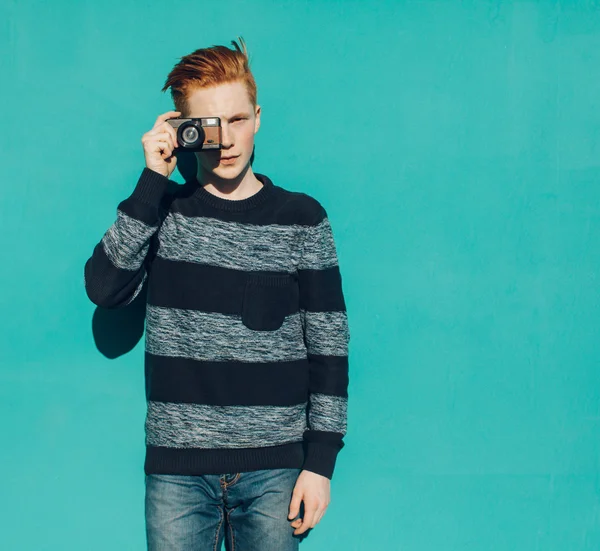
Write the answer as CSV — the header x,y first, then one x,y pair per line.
x,y
236,205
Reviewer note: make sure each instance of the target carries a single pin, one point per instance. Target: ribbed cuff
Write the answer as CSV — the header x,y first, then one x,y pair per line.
x,y
320,458
150,187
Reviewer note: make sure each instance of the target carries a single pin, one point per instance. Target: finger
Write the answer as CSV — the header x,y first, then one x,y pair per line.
x,y
303,527
309,516
172,132
160,133
168,115
164,149
295,505
165,137
319,512
318,517
312,521
150,137
163,118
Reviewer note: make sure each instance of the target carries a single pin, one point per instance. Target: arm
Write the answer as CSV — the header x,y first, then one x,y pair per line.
x,y
116,271
326,336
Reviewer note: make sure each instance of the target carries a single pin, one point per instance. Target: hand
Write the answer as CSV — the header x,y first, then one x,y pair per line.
x,y
314,489
159,144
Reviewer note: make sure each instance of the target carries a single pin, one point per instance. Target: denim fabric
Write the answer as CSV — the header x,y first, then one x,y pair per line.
x,y
196,513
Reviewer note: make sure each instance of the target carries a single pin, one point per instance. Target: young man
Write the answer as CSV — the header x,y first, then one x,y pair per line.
x,y
246,328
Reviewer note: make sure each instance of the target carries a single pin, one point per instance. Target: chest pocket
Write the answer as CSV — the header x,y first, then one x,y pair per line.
x,y
268,299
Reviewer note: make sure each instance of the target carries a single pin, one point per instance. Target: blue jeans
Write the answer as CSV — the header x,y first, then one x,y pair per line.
x,y
195,513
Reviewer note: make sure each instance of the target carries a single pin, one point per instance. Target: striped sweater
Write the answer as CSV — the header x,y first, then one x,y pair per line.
x,y
246,345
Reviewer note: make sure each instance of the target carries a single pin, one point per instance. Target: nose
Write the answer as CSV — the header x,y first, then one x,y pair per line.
x,y
226,136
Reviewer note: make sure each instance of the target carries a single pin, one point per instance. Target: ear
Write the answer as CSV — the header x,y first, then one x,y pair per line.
x,y
256,118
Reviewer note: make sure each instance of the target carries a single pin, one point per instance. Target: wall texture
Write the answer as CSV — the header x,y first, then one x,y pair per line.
x,y
456,147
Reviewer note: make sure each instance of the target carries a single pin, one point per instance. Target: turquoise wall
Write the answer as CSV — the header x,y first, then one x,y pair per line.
x,y
456,147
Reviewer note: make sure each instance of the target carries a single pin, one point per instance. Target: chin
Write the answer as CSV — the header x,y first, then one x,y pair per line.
x,y
228,172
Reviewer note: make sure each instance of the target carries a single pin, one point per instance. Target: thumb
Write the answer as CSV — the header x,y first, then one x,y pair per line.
x,y
295,505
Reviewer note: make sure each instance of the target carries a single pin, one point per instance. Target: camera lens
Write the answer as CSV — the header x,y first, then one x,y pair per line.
x,y
189,134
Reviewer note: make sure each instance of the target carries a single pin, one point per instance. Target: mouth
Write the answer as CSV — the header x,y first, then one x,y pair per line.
x,y
228,160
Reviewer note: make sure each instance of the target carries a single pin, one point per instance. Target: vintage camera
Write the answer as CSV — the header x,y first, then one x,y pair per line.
x,y
197,134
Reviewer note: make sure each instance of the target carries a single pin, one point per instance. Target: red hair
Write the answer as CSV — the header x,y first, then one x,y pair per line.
x,y
209,67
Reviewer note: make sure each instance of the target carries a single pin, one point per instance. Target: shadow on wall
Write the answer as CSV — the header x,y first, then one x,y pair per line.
x,y
118,330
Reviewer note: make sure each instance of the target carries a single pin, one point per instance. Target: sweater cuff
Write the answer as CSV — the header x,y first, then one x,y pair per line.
x,y
150,187
320,458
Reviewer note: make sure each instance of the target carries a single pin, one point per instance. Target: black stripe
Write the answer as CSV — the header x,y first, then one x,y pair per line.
x,y
321,290
197,461
329,374
148,214
105,284
334,439
286,207
180,284
226,383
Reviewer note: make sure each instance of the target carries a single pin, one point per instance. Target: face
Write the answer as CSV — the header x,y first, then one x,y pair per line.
x,y
239,123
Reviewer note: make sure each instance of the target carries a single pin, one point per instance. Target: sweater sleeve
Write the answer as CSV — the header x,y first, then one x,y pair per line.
x,y
326,335
116,271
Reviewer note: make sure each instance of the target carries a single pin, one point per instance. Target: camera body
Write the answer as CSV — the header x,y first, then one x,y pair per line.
x,y
197,134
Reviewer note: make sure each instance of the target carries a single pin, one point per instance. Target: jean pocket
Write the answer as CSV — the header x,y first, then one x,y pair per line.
x,y
268,299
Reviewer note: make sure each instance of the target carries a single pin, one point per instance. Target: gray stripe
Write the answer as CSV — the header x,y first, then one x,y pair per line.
x,y
203,426
219,337
319,248
328,412
234,245
327,333
127,241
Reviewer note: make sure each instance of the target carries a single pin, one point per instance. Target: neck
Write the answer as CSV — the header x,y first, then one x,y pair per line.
x,y
242,186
